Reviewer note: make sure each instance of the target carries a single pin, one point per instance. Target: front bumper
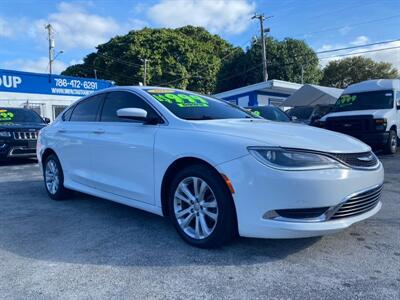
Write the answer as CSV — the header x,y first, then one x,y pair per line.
x,y
260,189
17,149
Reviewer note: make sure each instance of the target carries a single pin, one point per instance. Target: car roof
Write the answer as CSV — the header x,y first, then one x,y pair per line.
x,y
373,85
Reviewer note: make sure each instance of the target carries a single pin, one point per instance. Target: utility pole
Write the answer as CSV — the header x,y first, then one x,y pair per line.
x,y
302,74
145,61
262,18
51,47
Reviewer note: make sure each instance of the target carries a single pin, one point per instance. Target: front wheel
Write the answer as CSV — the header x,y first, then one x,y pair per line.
x,y
201,207
391,145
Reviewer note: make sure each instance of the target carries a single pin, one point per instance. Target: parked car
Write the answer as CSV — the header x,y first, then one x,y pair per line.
x,y
19,129
309,114
369,111
210,166
271,113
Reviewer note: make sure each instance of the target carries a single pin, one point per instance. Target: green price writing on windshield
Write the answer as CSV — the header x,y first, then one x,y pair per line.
x,y
182,100
6,115
346,100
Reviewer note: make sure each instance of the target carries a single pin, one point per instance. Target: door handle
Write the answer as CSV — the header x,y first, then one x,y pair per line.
x,y
99,131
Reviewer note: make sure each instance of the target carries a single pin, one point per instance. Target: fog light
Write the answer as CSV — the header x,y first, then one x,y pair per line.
x,y
270,215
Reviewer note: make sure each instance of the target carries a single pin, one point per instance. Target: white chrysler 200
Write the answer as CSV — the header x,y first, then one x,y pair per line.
x,y
213,168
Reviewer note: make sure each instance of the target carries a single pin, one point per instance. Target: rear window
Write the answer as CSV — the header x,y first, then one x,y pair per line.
x,y
87,110
301,112
19,115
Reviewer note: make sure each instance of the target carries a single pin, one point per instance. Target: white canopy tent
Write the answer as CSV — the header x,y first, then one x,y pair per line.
x,y
311,95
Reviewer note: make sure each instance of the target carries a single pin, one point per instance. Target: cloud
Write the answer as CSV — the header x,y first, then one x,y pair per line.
x,y
40,65
76,28
390,55
345,30
5,28
360,40
218,16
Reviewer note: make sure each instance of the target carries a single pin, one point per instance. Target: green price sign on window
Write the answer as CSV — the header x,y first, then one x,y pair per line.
x,y
6,115
179,99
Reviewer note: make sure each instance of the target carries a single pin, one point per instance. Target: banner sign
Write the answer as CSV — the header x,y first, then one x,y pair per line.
x,y
35,83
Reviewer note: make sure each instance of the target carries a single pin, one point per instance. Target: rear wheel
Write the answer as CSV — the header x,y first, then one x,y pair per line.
x,y
201,207
391,145
54,178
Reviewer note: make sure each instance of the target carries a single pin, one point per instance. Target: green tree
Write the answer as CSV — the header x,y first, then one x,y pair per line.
x,y
285,60
187,58
341,73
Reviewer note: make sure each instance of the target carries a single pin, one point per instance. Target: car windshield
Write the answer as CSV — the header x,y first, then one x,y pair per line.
x,y
190,106
19,115
270,113
301,112
364,101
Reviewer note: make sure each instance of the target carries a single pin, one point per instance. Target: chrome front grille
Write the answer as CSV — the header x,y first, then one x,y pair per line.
x,y
358,160
359,203
25,135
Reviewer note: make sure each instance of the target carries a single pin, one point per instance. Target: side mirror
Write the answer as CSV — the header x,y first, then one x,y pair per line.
x,y
294,118
131,113
46,120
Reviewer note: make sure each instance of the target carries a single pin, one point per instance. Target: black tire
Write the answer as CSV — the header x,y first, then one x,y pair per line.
x,y
225,226
60,192
391,144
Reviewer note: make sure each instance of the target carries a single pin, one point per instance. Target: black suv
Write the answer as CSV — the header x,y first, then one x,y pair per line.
x,y
19,128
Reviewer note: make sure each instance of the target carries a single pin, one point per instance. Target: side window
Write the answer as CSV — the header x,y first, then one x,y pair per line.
x,y
117,100
87,110
67,115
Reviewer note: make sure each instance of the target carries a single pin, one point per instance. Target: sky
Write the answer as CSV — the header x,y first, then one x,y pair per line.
x,y
81,25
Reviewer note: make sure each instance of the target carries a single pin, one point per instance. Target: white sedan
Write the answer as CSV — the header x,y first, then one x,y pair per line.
x,y
213,168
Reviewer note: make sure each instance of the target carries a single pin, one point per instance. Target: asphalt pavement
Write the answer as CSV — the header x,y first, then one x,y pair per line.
x,y
90,248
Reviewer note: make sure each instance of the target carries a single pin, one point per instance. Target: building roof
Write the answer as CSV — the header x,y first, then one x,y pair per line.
x,y
311,95
373,85
274,85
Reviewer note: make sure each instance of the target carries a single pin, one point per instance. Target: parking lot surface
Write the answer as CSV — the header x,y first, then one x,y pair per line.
x,y
87,247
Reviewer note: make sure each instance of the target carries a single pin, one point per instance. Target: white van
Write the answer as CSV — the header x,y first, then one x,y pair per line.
x,y
369,111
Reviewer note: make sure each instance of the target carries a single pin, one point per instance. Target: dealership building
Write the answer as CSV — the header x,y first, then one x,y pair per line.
x,y
45,94
271,92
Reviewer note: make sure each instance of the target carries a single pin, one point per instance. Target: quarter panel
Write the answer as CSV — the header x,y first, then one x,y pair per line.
x,y
172,144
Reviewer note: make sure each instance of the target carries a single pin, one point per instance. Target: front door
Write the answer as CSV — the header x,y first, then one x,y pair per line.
x,y
122,150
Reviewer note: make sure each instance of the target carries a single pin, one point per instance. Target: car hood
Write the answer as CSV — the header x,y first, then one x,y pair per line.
x,y
15,126
376,113
281,134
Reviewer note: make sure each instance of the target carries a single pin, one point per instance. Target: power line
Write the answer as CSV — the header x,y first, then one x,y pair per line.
x,y
358,46
361,52
348,25
292,63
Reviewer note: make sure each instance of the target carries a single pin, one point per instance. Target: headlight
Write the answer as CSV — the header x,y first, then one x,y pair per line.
x,y
293,160
380,124
5,134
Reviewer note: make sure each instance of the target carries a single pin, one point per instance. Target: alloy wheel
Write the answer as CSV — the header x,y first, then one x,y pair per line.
x,y
393,143
195,208
52,177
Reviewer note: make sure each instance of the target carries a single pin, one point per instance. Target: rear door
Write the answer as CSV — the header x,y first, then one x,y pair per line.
x,y
122,150
73,139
